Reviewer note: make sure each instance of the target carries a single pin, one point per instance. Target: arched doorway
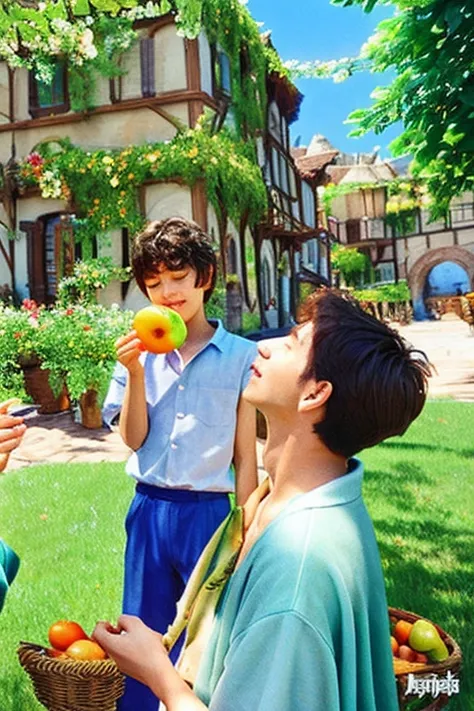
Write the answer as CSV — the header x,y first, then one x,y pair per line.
x,y
419,273
447,279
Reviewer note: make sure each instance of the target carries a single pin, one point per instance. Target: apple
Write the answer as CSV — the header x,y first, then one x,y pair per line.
x,y
421,658
406,653
160,329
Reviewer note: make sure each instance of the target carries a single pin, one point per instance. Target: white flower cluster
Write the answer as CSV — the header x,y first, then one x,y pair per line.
x,y
119,42
150,10
50,185
337,69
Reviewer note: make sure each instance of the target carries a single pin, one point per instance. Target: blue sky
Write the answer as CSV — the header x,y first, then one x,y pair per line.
x,y
315,29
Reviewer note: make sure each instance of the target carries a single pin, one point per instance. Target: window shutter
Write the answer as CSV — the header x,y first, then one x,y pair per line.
x,y
35,259
147,65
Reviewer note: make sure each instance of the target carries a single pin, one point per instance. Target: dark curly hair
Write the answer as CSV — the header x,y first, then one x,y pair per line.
x,y
176,243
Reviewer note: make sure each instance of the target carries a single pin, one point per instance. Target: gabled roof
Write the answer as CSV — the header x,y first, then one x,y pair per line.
x,y
361,173
310,166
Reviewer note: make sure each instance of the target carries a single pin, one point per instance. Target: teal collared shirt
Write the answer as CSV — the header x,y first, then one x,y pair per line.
x,y
303,623
192,413
9,564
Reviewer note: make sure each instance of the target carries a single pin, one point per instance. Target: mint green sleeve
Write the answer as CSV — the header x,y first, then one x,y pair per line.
x,y
9,564
280,663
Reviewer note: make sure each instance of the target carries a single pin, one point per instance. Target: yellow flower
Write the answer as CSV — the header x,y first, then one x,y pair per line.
x,y
122,193
153,157
82,170
96,201
123,211
114,181
131,176
107,160
193,152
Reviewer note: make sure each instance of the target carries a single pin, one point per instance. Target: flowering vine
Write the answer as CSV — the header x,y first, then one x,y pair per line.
x,y
102,186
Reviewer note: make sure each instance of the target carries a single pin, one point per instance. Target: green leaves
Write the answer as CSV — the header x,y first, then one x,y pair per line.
x,y
81,7
430,46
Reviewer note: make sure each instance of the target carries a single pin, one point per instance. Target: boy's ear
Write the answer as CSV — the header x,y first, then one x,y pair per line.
x,y
315,394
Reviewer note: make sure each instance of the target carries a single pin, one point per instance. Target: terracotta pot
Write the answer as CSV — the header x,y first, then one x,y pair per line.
x,y
38,388
91,414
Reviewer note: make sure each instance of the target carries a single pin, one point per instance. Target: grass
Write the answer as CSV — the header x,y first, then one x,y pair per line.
x,y
66,523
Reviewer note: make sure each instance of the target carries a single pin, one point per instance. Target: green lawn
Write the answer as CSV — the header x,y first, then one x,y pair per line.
x,y
66,522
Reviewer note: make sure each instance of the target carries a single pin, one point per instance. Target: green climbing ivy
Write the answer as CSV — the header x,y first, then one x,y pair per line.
x,y
228,166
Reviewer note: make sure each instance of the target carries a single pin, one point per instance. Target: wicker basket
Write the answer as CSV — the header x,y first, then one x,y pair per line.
x,y
72,685
452,663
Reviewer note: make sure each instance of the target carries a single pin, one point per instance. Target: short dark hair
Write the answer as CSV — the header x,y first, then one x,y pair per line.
x,y
379,381
176,243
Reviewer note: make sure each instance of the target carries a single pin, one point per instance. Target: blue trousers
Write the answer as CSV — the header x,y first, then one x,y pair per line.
x,y
167,530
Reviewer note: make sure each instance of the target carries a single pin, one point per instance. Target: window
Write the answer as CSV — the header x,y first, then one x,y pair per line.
x,y
266,272
46,99
385,272
353,231
222,76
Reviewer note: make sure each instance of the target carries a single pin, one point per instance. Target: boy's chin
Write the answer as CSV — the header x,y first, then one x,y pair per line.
x,y
249,395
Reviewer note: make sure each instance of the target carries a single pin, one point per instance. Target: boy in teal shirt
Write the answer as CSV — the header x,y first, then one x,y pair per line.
x,y
302,622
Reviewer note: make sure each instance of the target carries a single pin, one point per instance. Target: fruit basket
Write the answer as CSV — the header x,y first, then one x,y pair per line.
x,y
70,684
451,666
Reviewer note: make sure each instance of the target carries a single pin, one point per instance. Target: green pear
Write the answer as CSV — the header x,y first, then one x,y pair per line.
x,y
424,636
439,653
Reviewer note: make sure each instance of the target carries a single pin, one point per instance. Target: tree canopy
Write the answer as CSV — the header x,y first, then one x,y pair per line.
x,y
430,46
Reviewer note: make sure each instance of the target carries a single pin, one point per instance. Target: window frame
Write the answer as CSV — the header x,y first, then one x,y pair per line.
x,y
37,111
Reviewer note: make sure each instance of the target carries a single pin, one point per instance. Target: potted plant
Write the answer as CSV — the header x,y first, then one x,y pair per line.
x,y
21,371
78,348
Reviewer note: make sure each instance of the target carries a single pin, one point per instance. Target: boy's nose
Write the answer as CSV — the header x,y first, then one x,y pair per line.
x,y
264,348
169,288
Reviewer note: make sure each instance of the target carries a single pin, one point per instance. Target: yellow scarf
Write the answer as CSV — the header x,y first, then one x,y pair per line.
x,y
216,564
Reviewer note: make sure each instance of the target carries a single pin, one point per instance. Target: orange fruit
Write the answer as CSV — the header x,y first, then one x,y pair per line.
x,y
402,631
160,329
395,646
63,633
85,649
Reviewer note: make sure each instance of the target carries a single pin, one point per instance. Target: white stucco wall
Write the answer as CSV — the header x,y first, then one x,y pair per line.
x,y
205,64
131,81
444,239
168,200
20,83
170,60
466,238
113,130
